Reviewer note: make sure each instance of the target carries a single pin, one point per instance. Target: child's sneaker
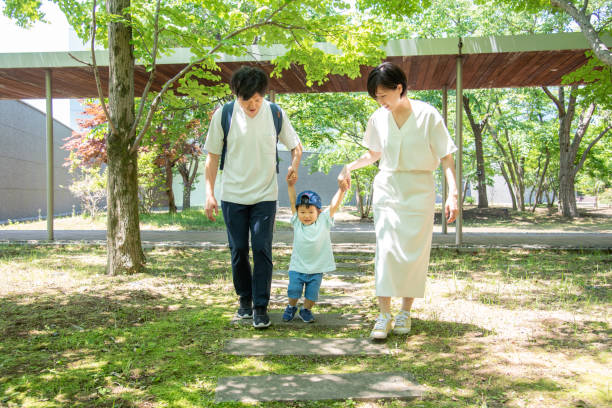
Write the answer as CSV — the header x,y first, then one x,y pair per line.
x,y
306,315
402,323
289,313
382,326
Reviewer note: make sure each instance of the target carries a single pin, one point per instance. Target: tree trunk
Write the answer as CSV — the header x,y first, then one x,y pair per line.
x,y
508,183
567,195
124,248
541,182
188,175
358,197
567,150
521,181
169,191
182,169
477,128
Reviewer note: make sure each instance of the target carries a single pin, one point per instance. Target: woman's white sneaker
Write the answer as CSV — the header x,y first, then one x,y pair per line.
x,y
402,323
382,326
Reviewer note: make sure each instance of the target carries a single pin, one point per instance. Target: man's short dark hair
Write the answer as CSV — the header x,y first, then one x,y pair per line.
x,y
247,81
387,75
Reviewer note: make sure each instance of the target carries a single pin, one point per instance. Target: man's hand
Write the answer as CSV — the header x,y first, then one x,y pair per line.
x,y
451,209
292,174
344,179
291,178
211,206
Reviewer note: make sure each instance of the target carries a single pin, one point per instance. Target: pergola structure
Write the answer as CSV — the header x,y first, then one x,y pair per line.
x,y
460,63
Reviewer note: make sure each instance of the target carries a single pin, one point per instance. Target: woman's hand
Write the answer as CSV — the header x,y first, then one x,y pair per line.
x,y
451,209
344,179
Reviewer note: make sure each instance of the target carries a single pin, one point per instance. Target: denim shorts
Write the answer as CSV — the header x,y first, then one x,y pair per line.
x,y
309,283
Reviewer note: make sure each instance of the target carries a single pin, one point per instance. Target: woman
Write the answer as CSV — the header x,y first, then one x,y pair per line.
x,y
410,139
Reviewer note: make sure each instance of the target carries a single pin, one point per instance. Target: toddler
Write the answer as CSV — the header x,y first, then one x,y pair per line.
x,y
312,250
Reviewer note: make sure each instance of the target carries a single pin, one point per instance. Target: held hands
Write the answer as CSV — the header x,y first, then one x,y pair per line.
x,y
211,206
344,179
292,176
451,209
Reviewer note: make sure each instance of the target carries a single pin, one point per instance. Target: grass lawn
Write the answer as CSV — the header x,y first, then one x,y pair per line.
x,y
192,219
505,218
591,220
496,329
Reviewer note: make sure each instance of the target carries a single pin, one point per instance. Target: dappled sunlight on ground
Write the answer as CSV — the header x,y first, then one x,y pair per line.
x,y
501,328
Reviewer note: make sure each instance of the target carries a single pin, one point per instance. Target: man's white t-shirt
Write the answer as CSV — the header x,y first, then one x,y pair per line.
x,y
249,173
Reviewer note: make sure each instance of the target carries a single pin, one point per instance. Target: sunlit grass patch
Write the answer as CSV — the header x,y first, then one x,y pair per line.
x,y
500,328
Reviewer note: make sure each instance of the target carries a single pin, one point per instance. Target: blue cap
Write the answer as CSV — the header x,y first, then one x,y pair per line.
x,y
308,197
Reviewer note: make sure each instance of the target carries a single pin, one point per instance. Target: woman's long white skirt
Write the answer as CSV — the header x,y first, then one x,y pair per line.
x,y
403,216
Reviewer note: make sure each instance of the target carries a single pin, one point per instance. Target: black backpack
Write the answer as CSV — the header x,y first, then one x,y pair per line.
x,y
226,121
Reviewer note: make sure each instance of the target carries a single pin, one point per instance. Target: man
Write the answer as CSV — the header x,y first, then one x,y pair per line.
x,y
249,188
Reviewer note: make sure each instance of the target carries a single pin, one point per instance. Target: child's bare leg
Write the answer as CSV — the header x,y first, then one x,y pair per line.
x,y
293,302
308,304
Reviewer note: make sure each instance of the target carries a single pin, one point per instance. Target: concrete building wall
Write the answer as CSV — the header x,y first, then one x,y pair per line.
x,y
324,184
23,167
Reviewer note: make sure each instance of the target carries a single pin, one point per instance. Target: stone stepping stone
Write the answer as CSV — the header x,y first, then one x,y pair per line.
x,y
324,300
326,284
357,386
304,347
335,320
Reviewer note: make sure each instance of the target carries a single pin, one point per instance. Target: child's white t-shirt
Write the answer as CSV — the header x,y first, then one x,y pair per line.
x,y
312,249
249,174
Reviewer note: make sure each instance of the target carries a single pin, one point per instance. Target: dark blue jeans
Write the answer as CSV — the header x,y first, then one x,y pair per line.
x,y
258,219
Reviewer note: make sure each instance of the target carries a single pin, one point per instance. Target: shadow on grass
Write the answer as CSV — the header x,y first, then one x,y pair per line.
x,y
129,349
21,318
577,338
89,350
135,348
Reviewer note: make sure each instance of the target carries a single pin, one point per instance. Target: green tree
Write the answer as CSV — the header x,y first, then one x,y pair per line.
x,y
335,138
144,30
478,124
570,162
593,18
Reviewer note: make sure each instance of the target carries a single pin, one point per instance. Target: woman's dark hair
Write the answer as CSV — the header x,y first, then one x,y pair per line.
x,y
387,75
247,81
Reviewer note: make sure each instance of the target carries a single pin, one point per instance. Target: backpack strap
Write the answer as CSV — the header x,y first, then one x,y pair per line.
x,y
277,117
226,122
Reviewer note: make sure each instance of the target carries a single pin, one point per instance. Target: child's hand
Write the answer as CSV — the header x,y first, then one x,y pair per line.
x,y
291,178
343,186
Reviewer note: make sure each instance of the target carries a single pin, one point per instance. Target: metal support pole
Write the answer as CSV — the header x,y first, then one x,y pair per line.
x,y
444,186
49,155
272,95
459,143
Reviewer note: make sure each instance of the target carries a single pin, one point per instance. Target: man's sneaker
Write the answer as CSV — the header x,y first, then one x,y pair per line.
x,y
382,326
261,320
306,315
289,313
402,323
245,311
